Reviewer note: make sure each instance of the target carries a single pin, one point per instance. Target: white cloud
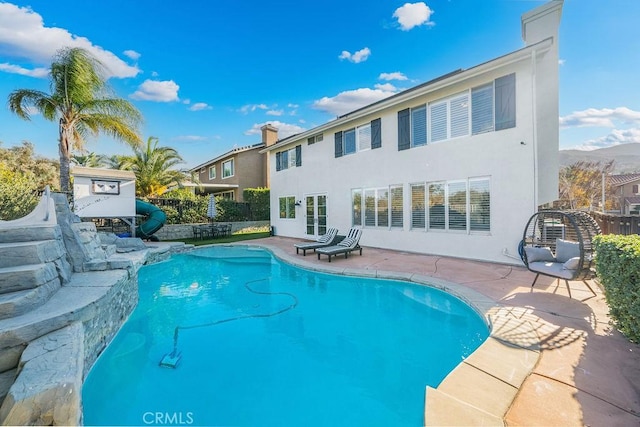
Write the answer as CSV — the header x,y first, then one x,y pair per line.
x,y
387,87
199,106
604,117
23,35
275,112
561,61
155,90
360,56
616,137
132,54
250,108
284,129
290,105
351,100
412,15
16,69
392,76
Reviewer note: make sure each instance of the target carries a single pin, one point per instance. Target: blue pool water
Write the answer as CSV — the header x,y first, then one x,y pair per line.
x,y
304,349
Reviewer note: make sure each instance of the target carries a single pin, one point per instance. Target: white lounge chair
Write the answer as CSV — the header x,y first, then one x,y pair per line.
x,y
346,246
326,239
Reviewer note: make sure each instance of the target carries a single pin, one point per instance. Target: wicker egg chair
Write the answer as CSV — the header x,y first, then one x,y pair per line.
x,y
559,244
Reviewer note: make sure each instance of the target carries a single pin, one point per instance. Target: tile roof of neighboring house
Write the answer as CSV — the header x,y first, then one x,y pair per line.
x,y
227,154
619,180
635,200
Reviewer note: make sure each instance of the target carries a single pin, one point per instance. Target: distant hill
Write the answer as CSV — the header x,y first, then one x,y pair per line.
x,y
626,156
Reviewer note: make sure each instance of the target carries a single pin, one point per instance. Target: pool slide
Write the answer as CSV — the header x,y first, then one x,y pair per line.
x,y
155,219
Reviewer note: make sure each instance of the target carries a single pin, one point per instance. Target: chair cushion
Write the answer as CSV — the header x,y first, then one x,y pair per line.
x,y
572,263
565,250
543,254
347,242
324,238
553,269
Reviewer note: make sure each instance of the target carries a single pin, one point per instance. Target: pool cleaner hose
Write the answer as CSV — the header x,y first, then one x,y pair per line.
x,y
171,360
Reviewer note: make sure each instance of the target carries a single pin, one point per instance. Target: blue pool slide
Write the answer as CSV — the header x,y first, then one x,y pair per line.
x,y
155,219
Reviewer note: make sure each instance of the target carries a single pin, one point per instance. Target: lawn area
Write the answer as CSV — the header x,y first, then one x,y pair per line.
x,y
227,239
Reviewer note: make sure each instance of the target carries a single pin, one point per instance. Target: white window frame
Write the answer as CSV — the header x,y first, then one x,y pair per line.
x,y
233,168
212,169
447,102
289,207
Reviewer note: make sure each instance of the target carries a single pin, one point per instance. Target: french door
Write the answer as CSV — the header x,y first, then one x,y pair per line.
x,y
316,214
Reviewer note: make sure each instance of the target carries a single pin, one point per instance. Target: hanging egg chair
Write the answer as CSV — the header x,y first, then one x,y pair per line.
x,y
559,244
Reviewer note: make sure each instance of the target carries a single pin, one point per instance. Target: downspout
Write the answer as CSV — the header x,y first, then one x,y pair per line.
x,y
534,118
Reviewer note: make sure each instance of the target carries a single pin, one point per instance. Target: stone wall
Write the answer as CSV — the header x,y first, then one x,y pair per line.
x,y
185,231
111,313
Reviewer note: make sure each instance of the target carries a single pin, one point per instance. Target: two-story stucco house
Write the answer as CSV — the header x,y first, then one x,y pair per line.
x,y
454,166
230,173
627,189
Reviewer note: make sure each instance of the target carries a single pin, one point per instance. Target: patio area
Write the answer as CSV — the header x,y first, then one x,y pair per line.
x,y
587,373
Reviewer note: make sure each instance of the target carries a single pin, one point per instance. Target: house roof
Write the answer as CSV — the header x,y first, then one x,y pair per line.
x,y
416,91
102,173
228,154
618,180
635,200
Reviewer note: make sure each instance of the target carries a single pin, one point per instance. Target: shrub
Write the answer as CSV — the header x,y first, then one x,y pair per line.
x,y
258,199
18,194
618,267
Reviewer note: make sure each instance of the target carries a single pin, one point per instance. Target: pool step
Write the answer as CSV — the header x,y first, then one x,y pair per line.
x,y
18,303
20,253
30,234
23,277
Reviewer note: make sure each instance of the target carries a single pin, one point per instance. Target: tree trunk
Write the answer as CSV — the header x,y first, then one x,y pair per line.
x,y
65,158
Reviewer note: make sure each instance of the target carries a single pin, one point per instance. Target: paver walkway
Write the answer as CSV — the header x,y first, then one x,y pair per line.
x,y
587,373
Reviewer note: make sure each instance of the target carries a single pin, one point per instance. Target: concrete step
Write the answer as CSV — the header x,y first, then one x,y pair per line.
x,y
22,253
23,277
30,234
21,302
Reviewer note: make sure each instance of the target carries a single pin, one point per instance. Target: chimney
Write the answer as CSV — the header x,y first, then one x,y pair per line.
x,y
269,134
542,22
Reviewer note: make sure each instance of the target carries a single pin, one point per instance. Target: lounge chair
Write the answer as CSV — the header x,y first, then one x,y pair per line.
x,y
346,246
326,239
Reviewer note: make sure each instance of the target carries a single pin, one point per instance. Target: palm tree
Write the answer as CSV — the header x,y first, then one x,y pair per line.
x,y
152,166
81,101
90,160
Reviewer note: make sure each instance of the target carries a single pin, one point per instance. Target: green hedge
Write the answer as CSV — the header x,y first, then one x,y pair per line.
x,y
618,267
258,199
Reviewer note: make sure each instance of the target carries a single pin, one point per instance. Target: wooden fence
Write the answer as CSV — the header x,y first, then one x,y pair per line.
x,y
617,224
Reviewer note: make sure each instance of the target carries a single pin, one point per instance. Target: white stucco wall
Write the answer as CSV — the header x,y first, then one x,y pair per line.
x,y
521,163
89,204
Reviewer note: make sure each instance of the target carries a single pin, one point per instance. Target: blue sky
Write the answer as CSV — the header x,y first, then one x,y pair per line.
x,y
207,75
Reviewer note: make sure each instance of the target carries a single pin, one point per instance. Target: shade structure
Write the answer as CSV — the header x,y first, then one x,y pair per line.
x,y
211,207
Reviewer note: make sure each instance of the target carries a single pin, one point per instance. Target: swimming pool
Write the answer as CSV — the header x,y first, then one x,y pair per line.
x,y
264,343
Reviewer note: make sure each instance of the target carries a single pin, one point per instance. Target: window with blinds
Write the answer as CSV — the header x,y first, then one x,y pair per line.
x,y
418,207
459,112
397,200
482,109
350,141
438,116
382,202
370,208
419,126
436,206
479,205
364,137
457,205
356,203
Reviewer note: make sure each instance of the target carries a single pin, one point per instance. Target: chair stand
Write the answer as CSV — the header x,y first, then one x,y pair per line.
x,y
567,284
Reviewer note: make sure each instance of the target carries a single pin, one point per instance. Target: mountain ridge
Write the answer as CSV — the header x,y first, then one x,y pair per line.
x,y
626,157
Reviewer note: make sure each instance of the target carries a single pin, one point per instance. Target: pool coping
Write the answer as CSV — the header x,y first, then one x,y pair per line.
x,y
501,364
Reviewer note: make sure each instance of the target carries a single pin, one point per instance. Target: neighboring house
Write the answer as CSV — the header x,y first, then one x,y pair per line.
x,y
230,173
455,166
627,189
